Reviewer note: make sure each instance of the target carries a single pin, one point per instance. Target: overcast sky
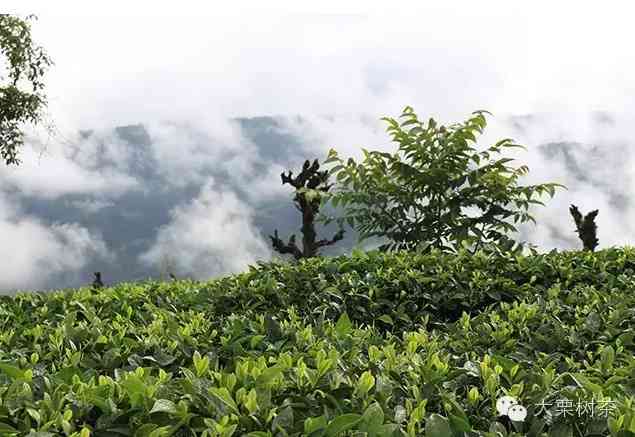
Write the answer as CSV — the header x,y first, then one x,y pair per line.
x,y
185,73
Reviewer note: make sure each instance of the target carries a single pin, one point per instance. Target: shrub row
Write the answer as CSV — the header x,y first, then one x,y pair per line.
x,y
293,350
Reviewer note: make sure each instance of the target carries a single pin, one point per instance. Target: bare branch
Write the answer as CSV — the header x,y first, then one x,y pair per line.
x,y
285,248
337,237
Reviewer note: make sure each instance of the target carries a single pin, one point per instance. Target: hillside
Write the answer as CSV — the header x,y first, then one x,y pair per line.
x,y
129,221
127,224
372,344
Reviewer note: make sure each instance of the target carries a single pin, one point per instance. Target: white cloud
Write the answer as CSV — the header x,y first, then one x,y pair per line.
x,y
341,66
33,253
187,153
55,169
211,235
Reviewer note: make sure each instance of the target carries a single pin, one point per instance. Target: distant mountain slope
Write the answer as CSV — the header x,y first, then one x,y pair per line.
x,y
130,222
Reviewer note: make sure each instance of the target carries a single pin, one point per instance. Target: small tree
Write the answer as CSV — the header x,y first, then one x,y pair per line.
x,y
437,190
585,227
22,99
97,282
310,186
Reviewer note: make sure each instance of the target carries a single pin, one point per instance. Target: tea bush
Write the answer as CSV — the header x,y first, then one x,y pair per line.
x,y
368,345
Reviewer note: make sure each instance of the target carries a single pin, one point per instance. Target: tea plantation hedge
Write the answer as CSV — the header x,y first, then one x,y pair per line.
x,y
368,345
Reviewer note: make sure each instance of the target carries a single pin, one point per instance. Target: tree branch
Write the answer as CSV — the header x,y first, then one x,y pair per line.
x,y
337,237
284,248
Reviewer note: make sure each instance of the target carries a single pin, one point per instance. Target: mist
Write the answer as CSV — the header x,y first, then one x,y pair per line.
x,y
171,132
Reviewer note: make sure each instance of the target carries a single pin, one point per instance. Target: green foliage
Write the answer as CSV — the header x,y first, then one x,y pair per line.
x,y
437,190
22,98
229,358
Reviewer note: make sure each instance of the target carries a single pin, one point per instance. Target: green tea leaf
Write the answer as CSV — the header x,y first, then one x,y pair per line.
x,y
344,325
437,426
163,406
342,423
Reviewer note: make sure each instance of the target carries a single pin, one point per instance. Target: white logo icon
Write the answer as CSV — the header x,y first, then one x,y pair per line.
x,y
509,406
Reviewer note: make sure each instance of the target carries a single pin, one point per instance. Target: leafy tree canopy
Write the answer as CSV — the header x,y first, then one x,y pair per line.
x,y
22,98
437,190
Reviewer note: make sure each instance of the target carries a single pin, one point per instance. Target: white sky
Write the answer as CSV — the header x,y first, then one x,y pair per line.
x,y
130,60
